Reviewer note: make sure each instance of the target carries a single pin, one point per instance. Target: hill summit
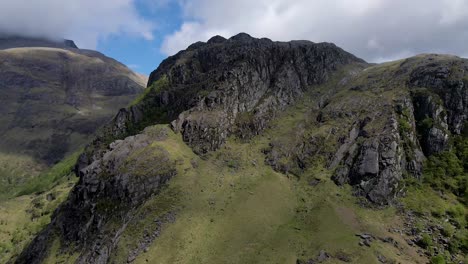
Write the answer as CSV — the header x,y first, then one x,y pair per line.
x,y
14,41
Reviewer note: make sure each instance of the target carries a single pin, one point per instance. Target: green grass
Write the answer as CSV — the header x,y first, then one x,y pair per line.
x,y
21,218
439,259
26,209
227,213
16,170
249,213
18,181
257,215
436,208
443,195
48,179
156,87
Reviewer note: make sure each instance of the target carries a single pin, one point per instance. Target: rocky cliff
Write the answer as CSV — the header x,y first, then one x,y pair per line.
x,y
370,126
227,86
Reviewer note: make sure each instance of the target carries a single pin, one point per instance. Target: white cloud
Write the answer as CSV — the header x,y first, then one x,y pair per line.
x,y
372,29
454,11
85,21
189,33
373,43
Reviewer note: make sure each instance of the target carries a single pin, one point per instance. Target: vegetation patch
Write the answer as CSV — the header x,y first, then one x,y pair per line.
x,y
157,86
22,217
446,171
45,181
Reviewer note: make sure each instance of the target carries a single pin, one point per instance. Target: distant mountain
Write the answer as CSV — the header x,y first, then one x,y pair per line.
x,y
53,96
8,42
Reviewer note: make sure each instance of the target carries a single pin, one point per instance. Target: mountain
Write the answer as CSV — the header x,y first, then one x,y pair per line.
x,y
246,150
11,41
53,96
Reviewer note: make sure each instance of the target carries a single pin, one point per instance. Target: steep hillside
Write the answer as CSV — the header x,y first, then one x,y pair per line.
x,y
246,150
53,96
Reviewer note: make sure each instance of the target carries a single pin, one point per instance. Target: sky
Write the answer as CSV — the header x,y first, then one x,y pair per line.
x,y
141,33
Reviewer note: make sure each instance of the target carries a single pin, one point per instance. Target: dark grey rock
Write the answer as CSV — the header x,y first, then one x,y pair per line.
x,y
323,256
374,167
382,259
108,189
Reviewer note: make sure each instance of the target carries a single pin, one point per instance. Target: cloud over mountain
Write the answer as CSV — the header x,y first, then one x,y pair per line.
x,y
85,21
373,29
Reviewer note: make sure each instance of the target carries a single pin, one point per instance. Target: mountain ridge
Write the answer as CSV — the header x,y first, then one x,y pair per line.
x,y
15,41
370,127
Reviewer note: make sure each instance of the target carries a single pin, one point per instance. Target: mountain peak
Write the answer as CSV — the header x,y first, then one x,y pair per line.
x,y
70,43
216,39
243,37
16,41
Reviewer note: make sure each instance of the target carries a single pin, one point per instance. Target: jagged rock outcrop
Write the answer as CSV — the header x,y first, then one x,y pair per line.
x,y
374,165
384,122
248,84
432,120
446,77
130,171
431,110
229,86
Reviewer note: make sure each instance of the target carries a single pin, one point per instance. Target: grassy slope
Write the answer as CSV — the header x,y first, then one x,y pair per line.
x,y
41,182
26,208
439,209
14,172
229,210
22,217
232,208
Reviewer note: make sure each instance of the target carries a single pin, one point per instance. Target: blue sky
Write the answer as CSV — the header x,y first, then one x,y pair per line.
x,y
140,54
141,33
375,30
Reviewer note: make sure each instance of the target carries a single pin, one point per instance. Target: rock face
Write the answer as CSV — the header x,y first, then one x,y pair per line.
x,y
418,124
247,81
432,118
445,76
227,86
237,84
374,165
379,125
